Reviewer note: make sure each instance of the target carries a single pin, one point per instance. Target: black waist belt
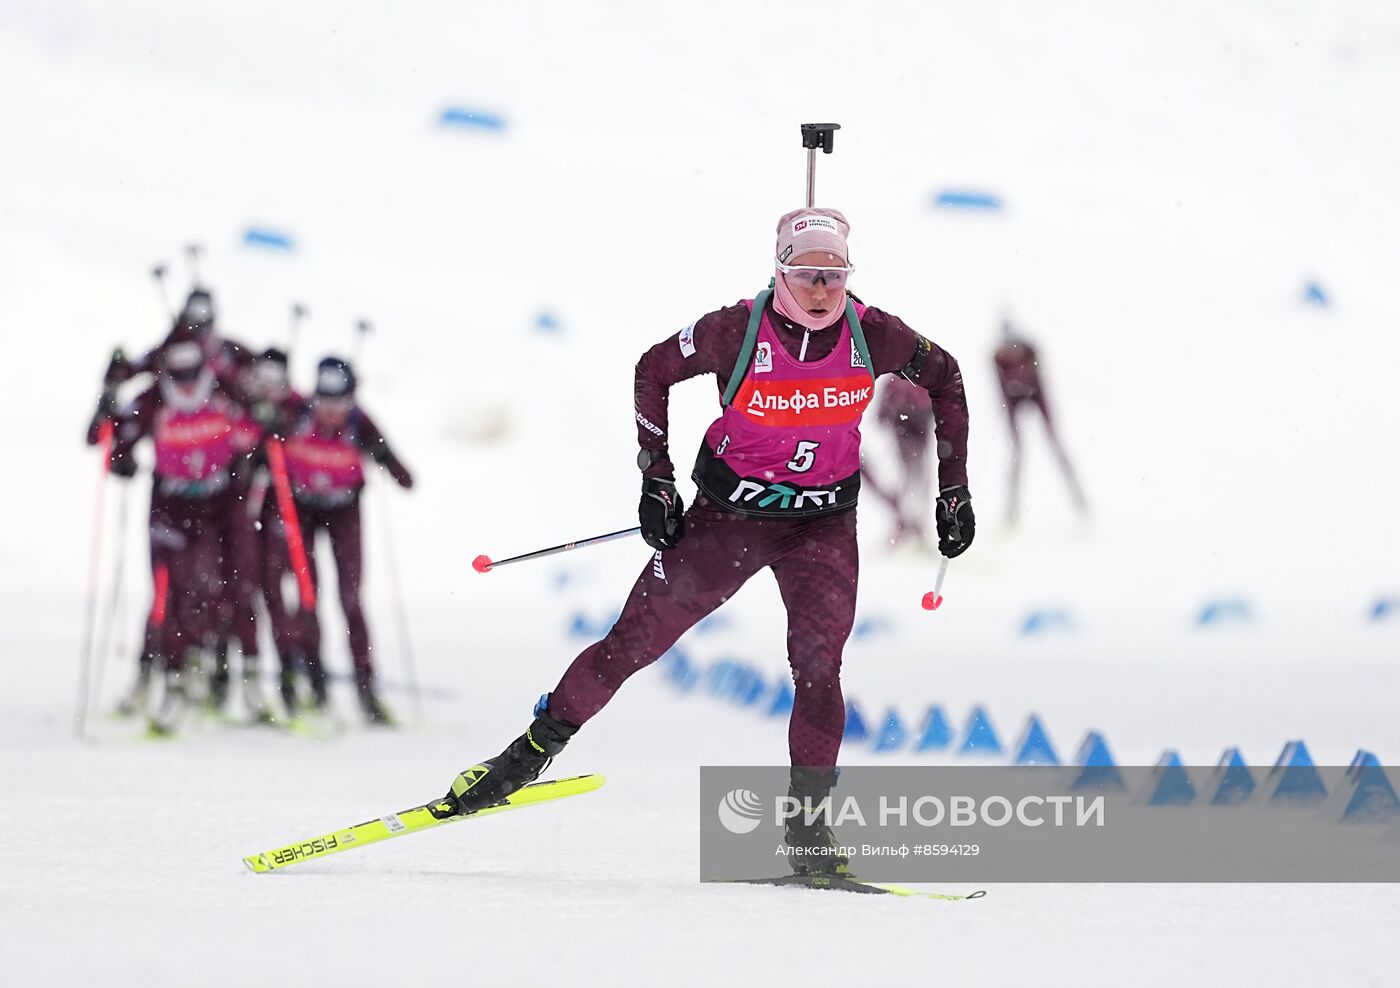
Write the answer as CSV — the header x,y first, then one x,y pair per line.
x,y
757,498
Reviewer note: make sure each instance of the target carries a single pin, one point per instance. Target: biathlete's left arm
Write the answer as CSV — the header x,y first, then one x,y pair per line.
x,y
897,349
374,444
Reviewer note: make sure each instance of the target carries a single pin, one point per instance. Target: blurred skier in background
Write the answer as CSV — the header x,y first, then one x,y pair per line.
x,y
325,450
274,405
196,317
195,323
904,409
778,475
188,413
1018,374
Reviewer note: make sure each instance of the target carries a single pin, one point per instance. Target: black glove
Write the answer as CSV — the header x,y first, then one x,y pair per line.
x,y
661,513
400,473
123,466
953,516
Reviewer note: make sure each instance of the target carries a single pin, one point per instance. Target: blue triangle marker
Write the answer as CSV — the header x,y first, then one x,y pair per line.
x,y
1096,767
1169,785
782,699
892,734
679,670
1372,798
935,733
856,729
981,737
1294,778
1034,747
1232,782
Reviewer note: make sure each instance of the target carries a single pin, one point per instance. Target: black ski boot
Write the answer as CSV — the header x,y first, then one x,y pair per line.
x,y
287,687
375,711
218,679
521,763
316,676
812,846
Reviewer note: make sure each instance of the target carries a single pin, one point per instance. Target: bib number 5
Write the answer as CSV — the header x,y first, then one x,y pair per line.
x,y
805,456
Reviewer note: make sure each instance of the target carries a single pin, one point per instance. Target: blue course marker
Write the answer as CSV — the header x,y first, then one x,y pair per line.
x,y
1385,607
935,733
1225,610
461,116
739,682
1232,782
256,236
677,668
892,734
1294,778
783,697
1096,767
966,199
1034,746
1169,785
981,737
856,729
1315,294
1367,795
1039,622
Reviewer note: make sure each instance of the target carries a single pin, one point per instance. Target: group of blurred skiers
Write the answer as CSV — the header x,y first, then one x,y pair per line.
x,y
246,470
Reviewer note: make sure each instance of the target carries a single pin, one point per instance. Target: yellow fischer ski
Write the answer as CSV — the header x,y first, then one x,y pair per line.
x,y
427,816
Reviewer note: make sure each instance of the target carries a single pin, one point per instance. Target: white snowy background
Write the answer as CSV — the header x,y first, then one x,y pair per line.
x,y
1172,177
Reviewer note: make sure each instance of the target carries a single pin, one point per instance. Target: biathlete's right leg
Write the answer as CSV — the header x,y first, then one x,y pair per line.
x,y
677,588
817,579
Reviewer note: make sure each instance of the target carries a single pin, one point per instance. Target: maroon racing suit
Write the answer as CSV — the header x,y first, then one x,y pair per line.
x,y
191,500
1018,374
814,556
326,470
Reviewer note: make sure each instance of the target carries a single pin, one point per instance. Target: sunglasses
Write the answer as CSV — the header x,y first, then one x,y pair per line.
x,y
809,275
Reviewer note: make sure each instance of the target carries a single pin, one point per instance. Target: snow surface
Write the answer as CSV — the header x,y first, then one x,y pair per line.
x,y
1173,175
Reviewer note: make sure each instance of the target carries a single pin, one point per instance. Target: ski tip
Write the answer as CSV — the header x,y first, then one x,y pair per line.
x,y
482,564
257,863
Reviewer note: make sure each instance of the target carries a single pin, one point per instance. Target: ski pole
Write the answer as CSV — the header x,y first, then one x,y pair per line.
x,y
291,525
934,598
400,612
158,273
94,563
814,136
298,314
192,251
114,601
483,564
362,328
